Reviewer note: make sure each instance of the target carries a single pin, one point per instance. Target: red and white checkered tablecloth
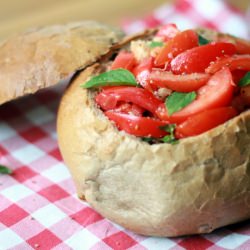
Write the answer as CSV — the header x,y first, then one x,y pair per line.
x,y
38,204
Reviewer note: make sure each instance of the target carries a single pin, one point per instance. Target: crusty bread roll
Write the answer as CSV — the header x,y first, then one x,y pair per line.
x,y
195,186
43,56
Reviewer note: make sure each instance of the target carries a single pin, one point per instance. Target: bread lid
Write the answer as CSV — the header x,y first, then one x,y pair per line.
x,y
42,57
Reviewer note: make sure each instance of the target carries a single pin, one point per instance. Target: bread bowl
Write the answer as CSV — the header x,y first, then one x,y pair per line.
x,y
192,187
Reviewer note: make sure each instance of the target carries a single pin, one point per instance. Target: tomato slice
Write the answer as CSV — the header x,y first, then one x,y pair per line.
x,y
167,31
204,121
138,126
109,98
180,83
238,75
235,62
199,58
218,92
129,108
142,72
125,60
181,42
242,46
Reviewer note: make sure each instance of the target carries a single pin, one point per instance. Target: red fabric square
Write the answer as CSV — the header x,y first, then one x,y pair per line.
x,y
120,241
54,193
24,173
56,153
3,152
12,215
86,216
33,134
44,240
196,242
183,5
151,21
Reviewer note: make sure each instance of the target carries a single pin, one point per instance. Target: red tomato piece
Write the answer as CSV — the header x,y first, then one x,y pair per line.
x,y
142,72
242,46
199,58
236,62
138,96
218,92
167,31
181,42
204,121
124,60
129,108
138,126
237,75
180,83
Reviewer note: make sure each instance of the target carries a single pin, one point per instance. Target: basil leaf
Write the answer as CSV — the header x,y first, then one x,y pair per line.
x,y
169,139
177,101
202,40
5,170
155,44
245,80
115,77
170,128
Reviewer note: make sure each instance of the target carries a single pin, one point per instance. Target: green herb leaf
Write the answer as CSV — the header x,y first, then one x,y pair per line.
x,y
177,101
202,40
5,170
245,80
170,128
155,44
169,139
149,139
115,77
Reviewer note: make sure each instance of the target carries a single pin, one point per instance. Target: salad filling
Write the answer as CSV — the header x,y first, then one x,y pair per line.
x,y
175,84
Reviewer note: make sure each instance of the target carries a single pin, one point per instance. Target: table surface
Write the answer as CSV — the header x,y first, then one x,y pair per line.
x,y
16,15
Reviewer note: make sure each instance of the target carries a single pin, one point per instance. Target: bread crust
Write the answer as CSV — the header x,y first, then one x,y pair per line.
x,y
193,187
43,56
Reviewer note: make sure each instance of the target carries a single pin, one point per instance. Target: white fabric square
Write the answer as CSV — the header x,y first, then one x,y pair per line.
x,y
209,8
82,240
16,192
136,26
154,243
234,25
13,239
6,131
232,241
28,154
40,115
182,22
57,173
49,215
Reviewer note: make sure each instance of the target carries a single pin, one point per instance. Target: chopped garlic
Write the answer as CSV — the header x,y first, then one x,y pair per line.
x,y
162,93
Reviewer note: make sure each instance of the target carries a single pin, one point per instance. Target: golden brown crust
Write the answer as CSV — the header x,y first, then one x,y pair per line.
x,y
42,57
195,186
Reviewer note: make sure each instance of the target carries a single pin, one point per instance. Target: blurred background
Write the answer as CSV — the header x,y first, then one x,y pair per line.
x,y
16,15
